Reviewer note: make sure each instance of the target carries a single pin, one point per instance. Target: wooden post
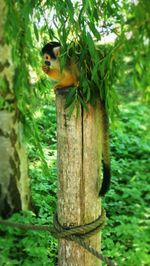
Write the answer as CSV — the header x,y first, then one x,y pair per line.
x,y
79,167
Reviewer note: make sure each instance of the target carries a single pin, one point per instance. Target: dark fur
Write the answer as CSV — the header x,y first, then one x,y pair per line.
x,y
106,179
105,152
48,49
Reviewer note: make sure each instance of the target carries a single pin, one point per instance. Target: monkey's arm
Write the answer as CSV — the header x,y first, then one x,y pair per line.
x,y
65,78
52,73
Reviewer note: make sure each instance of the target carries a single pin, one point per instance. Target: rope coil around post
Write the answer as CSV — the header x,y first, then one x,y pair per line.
x,y
77,234
82,231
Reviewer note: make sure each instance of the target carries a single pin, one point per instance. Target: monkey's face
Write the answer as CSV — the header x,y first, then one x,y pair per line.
x,y
47,59
52,60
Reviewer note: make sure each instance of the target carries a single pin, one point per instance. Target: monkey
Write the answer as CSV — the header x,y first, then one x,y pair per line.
x,y
69,77
66,78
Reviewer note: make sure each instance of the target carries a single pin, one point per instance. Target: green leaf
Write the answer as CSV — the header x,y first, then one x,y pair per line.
x,y
36,32
71,108
70,97
94,30
95,76
91,46
82,102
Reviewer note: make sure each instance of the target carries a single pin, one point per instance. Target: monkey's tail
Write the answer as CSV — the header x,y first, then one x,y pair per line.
x,y
106,179
105,153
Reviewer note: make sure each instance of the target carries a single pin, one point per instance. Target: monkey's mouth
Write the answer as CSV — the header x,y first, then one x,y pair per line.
x,y
47,63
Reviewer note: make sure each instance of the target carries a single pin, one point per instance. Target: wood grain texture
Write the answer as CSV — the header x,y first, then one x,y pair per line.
x,y
79,164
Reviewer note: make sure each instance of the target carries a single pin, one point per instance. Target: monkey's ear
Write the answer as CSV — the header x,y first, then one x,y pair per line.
x,y
56,51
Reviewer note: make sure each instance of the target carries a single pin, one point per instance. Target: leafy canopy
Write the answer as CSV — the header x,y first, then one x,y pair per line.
x,y
82,27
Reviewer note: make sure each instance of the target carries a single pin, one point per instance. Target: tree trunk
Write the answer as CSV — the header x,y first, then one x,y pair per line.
x,y
14,181
79,168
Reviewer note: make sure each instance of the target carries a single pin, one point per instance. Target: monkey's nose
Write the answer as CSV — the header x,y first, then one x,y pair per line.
x,y
47,63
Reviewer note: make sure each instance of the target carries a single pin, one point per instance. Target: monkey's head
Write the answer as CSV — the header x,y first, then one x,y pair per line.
x,y
50,54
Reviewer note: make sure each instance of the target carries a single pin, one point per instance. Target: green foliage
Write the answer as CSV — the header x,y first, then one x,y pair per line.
x,y
137,45
97,63
21,247
81,27
126,237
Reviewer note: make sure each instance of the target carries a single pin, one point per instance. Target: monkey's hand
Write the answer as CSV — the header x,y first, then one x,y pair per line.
x,y
45,69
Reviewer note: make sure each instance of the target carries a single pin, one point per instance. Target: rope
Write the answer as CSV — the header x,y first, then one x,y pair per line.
x,y
76,234
82,231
